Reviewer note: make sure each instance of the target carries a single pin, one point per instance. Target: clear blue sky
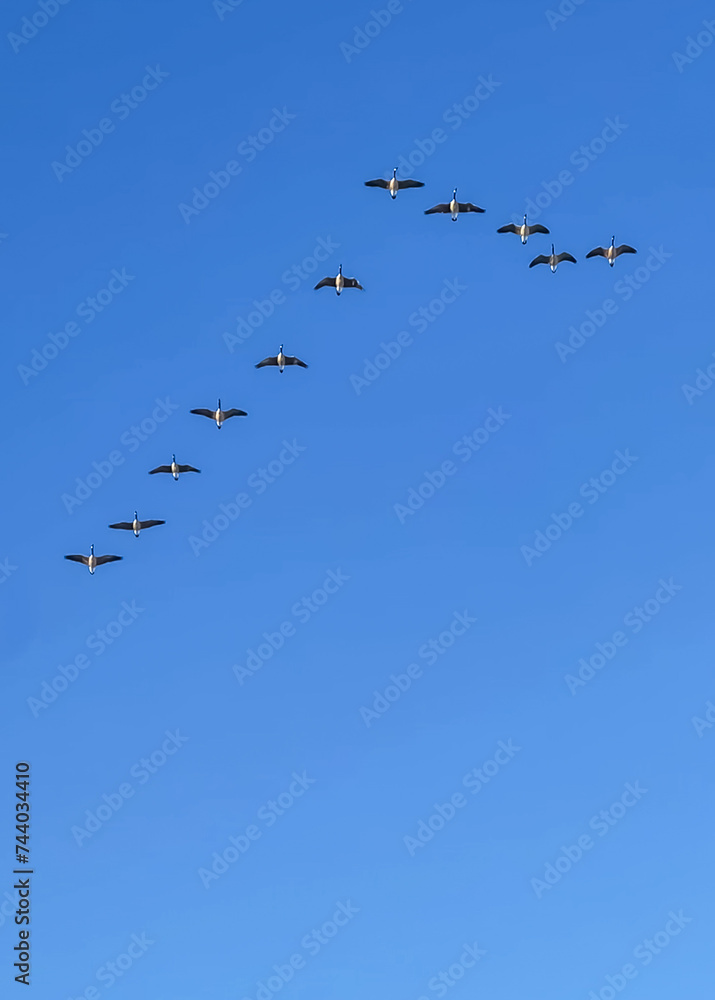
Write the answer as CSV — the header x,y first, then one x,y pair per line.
x,y
163,336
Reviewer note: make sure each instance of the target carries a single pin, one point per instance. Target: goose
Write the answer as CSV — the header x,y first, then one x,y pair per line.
x,y
610,253
220,415
553,260
523,230
393,185
92,561
281,360
454,207
339,282
174,468
136,525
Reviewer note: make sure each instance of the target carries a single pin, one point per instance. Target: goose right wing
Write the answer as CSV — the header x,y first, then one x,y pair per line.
x,y
539,260
325,283
296,361
188,468
101,560
566,256
624,248
378,183
160,468
235,413
410,184
267,361
80,559
538,228
204,413
126,525
596,252
509,229
438,208
467,206
147,524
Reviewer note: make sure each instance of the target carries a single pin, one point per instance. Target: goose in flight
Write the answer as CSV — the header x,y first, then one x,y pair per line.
x,y
393,185
339,282
454,207
553,260
281,360
175,469
92,561
136,525
220,415
523,230
610,253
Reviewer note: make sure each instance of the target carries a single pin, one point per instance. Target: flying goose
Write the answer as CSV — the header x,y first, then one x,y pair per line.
x,y
220,415
523,230
174,468
281,360
136,525
393,185
339,282
92,561
454,207
610,253
553,260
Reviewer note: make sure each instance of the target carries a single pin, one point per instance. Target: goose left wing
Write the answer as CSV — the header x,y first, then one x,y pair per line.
x,y
80,559
538,228
410,184
438,208
565,256
295,361
353,283
235,413
325,283
467,206
541,259
101,560
160,468
511,228
377,183
267,361
147,524
125,525
188,468
624,248
596,252
204,413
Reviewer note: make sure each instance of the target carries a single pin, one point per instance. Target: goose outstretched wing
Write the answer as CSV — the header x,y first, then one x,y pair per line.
x,y
234,413
467,206
325,283
188,468
125,525
410,184
511,228
295,361
596,252
160,468
267,361
444,207
80,559
353,283
565,256
101,560
377,183
538,228
146,524
624,248
541,259
205,413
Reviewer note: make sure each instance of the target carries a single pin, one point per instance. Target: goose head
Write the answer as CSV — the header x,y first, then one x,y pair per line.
x,y
219,406
525,220
613,241
91,550
340,269
553,252
454,195
394,172
173,459
136,517
280,349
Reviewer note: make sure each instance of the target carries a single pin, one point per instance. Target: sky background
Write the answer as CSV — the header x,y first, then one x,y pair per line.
x,y
353,115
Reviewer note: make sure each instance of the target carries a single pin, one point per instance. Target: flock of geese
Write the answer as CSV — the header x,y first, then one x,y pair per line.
x,y
280,361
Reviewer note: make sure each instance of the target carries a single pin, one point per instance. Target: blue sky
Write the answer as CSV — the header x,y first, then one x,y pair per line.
x,y
316,669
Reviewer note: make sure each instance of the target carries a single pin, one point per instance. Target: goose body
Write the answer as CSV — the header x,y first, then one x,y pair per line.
x,y
453,207
339,282
553,259
280,361
92,561
524,230
175,469
219,415
610,253
136,525
393,185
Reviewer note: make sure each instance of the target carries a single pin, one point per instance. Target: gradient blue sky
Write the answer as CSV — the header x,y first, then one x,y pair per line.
x,y
333,508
